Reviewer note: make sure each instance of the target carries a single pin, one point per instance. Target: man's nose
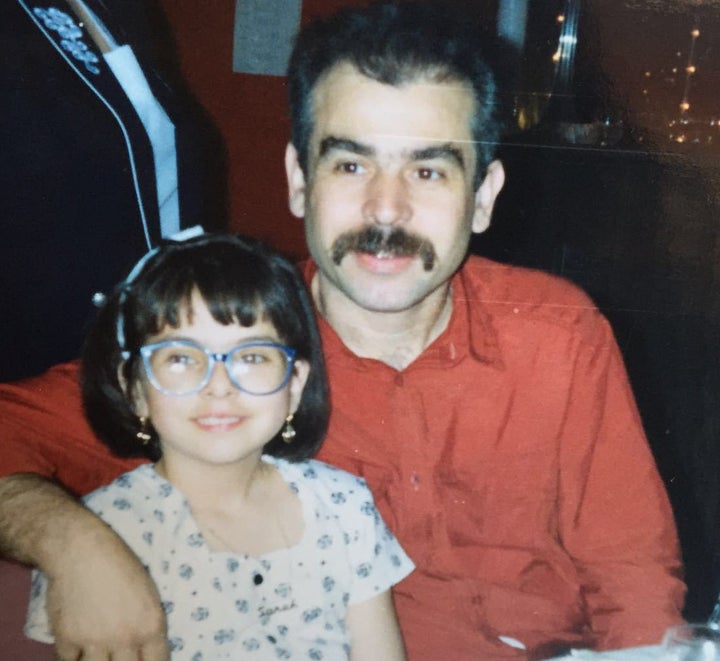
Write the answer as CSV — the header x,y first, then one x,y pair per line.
x,y
388,200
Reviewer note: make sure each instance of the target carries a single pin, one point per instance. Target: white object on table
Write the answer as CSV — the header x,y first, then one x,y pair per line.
x,y
691,642
645,653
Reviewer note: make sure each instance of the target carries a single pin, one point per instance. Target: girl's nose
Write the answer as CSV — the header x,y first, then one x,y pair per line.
x,y
219,384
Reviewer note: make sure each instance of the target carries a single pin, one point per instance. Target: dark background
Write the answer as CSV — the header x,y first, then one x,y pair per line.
x,y
632,217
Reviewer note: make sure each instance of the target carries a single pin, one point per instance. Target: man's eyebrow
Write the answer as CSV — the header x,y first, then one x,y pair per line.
x,y
332,143
447,150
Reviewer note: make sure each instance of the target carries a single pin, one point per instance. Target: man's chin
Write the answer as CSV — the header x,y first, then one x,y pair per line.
x,y
372,292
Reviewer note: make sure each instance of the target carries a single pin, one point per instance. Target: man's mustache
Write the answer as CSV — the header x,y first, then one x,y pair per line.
x,y
376,239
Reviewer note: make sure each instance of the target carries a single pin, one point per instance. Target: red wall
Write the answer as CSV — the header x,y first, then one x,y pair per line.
x,y
249,111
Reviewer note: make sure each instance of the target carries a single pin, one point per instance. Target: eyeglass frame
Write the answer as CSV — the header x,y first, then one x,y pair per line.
x,y
214,357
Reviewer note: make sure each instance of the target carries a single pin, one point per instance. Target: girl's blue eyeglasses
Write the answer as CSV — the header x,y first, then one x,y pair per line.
x,y
183,367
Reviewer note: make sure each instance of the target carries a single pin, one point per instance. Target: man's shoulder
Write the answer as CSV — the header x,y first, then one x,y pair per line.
x,y
522,283
526,293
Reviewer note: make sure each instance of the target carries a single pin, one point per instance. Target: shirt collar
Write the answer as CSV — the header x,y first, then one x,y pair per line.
x,y
472,320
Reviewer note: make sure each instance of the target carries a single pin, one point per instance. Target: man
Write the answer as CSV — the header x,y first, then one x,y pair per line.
x,y
487,406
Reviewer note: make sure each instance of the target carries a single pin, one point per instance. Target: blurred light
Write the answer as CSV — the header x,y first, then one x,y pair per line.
x,y
561,18
648,74
522,119
684,106
556,56
695,33
690,69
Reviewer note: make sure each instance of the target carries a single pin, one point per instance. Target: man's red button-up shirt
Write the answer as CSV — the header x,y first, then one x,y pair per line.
x,y
510,461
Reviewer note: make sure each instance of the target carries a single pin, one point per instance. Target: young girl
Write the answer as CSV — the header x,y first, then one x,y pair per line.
x,y
207,361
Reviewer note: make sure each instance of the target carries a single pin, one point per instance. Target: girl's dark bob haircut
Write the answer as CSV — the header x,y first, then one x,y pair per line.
x,y
241,281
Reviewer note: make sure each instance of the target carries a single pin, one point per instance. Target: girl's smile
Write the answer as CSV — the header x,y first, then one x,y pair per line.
x,y
219,422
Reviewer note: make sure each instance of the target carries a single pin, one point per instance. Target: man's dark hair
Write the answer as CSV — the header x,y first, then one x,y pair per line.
x,y
241,281
395,43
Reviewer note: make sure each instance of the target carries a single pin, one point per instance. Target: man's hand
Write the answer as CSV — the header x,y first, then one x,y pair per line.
x,y
102,604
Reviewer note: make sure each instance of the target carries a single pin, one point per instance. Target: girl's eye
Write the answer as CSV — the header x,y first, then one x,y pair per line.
x,y
253,358
179,361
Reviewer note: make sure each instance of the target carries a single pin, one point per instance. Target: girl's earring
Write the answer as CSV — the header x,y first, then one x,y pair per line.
x,y
143,434
288,432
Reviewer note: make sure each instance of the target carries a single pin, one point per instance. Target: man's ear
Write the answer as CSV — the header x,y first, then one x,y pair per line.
x,y
486,195
296,182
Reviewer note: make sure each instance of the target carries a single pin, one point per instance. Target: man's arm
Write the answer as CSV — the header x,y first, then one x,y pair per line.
x,y
615,517
100,597
101,601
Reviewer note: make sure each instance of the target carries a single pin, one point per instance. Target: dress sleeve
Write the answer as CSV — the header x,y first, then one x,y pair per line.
x,y
44,432
377,561
615,518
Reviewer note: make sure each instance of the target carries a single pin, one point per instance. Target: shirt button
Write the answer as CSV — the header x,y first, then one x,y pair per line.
x,y
257,579
415,481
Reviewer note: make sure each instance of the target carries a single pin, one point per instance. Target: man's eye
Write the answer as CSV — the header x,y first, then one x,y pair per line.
x,y
428,174
349,167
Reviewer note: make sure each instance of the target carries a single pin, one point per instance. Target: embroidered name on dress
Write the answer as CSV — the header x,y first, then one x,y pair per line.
x,y
266,612
70,36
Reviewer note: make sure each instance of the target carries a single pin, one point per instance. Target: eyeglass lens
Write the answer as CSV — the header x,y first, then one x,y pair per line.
x,y
256,369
